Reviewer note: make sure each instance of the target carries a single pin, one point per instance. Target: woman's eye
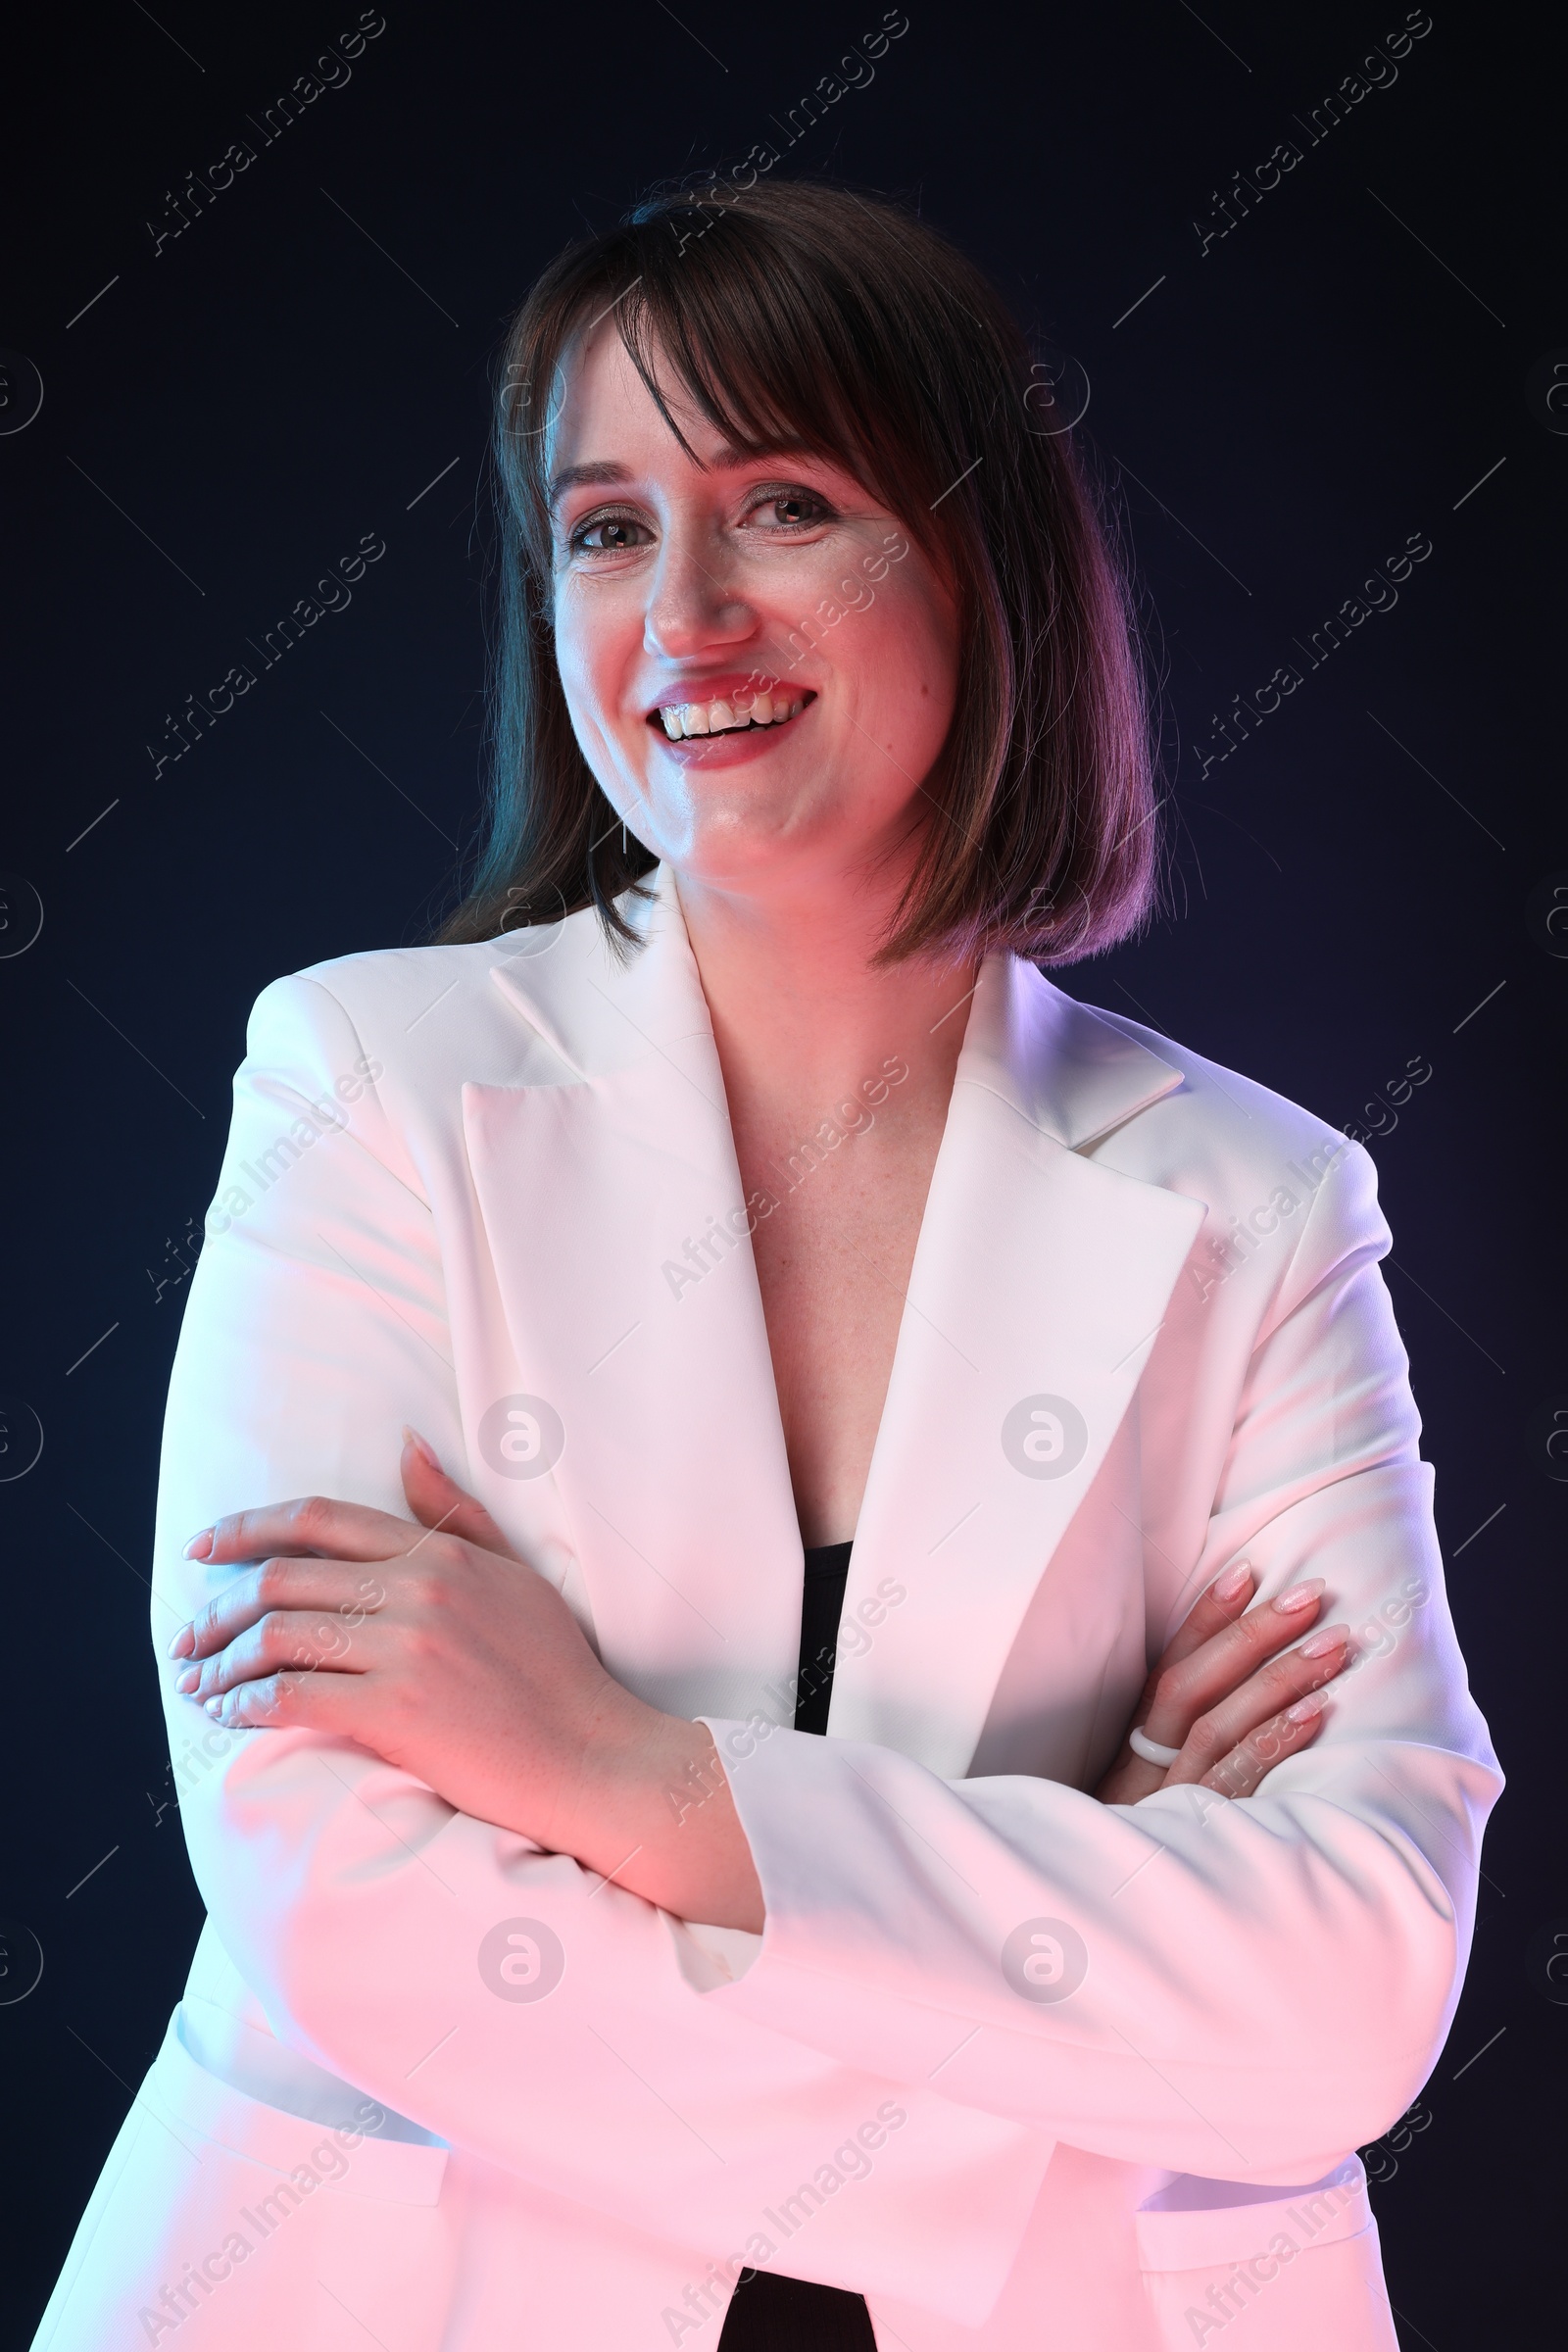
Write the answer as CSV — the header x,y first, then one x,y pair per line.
x,y
792,509
610,534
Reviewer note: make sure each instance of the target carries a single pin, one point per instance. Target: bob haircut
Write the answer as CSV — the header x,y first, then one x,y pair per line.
x,y
798,316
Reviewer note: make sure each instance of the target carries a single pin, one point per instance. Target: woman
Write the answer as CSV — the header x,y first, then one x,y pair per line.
x,y
729,1186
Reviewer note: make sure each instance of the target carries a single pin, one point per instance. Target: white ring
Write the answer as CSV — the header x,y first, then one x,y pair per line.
x,y
1151,1749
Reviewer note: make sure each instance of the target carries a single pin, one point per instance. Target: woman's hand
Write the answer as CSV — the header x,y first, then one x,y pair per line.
x,y
1230,1694
435,1645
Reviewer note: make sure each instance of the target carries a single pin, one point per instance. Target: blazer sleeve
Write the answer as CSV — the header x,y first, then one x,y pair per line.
x,y
367,1916
1219,1986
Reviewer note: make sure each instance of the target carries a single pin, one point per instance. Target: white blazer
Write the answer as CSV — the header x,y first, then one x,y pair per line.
x,y
1022,2068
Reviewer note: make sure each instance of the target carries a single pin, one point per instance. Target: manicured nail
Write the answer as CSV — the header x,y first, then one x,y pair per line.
x,y
214,1705
1234,1583
1333,1636
184,1644
188,1681
421,1446
1299,1596
200,1545
1305,1708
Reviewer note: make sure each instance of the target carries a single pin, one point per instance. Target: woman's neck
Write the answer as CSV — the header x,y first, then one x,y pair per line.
x,y
802,1016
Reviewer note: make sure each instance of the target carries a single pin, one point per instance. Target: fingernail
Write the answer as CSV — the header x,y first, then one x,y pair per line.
x,y
188,1681
1234,1582
1305,1708
421,1446
182,1643
214,1705
1300,1596
1333,1636
200,1545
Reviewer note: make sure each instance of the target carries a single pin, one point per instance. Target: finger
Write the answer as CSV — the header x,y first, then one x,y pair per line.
x,y
1263,1695
1224,1662
309,1524
286,1702
1240,1773
1210,1614
301,1641
1129,1778
437,1501
343,1587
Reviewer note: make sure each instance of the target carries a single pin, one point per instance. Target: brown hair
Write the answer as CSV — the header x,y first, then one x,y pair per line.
x,y
797,315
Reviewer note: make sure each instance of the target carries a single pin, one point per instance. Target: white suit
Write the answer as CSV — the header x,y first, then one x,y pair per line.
x,y
1022,2068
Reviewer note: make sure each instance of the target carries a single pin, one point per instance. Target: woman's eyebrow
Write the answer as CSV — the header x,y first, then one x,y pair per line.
x,y
598,470
606,470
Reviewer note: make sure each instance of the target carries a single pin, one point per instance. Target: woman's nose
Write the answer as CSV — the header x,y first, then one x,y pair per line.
x,y
697,602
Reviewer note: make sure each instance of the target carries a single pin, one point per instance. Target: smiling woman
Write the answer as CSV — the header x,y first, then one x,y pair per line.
x,y
815,1809
841,383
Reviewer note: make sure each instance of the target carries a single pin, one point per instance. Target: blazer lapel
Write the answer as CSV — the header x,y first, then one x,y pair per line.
x,y
612,1206
1038,1283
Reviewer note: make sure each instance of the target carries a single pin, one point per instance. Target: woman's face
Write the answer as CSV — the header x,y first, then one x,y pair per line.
x,y
735,593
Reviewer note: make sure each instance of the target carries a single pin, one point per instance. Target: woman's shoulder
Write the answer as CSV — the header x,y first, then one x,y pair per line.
x,y
422,1011
1204,1128
378,983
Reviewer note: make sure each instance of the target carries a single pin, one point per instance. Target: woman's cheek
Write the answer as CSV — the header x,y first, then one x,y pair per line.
x,y
580,660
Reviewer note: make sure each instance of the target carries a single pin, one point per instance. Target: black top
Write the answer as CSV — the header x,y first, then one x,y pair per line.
x,y
827,1569
769,2312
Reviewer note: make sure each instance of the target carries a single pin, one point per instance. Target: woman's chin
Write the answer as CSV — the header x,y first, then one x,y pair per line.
x,y
750,850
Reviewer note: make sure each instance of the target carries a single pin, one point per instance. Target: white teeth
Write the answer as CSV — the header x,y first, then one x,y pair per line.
x,y
728,712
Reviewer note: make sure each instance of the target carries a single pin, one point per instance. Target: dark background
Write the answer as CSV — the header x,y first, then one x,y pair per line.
x,y
1365,883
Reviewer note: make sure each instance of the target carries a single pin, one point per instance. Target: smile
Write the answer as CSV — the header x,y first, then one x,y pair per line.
x,y
729,714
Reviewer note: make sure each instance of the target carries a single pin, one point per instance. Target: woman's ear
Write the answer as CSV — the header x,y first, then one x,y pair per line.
x,y
438,1502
